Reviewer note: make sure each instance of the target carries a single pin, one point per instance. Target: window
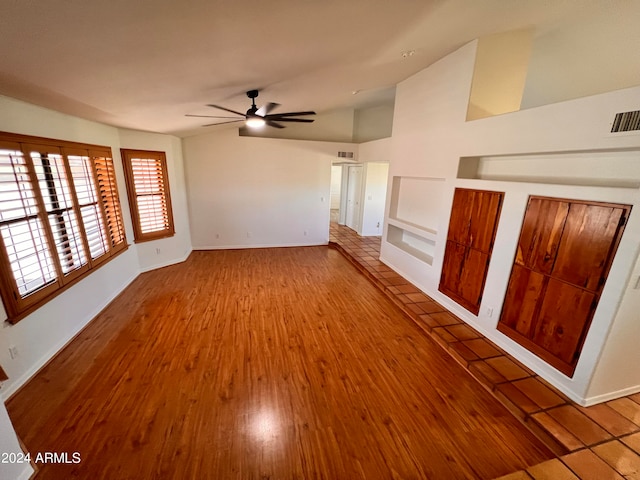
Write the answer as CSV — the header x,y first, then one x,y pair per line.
x,y
148,190
59,217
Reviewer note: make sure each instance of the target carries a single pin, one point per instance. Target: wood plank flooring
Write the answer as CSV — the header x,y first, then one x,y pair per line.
x,y
264,364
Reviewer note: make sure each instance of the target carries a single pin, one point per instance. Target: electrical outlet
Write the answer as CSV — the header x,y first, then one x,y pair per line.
x,y
157,251
490,312
13,352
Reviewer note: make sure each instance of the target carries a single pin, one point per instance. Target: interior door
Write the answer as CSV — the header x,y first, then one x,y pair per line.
x,y
354,188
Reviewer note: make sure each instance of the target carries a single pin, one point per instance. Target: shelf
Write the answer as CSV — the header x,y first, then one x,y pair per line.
x,y
419,230
415,244
602,168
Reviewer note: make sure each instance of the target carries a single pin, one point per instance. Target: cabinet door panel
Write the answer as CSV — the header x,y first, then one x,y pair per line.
x,y
460,220
541,231
587,242
523,295
472,227
565,314
463,275
564,253
472,276
484,219
452,266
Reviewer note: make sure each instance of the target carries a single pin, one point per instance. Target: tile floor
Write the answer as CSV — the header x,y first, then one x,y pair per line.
x,y
599,442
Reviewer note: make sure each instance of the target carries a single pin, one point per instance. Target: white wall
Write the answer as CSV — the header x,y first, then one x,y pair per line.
x,y
9,444
166,251
375,151
258,192
588,53
374,197
429,137
372,123
336,186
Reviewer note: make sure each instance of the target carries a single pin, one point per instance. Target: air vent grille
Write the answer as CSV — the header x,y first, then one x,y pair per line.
x,y
345,154
626,122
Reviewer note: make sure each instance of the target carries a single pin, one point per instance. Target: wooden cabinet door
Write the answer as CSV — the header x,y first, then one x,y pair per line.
x,y
521,303
565,311
472,229
484,219
540,236
463,279
587,242
564,253
460,220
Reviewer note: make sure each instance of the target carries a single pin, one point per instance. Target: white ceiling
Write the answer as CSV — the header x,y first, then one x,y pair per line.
x,y
144,64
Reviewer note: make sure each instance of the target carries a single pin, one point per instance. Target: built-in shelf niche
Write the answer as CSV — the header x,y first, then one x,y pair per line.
x,y
414,244
414,210
605,168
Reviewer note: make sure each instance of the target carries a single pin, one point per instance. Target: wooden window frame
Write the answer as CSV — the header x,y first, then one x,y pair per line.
x,y
85,234
163,191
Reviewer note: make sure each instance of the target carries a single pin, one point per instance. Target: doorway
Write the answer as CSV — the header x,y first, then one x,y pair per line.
x,y
335,193
354,192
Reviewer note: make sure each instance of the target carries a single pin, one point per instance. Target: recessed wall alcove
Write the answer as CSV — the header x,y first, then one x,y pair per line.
x,y
604,168
412,225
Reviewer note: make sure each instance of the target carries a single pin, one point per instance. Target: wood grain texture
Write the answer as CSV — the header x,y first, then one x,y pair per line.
x,y
587,242
565,250
264,364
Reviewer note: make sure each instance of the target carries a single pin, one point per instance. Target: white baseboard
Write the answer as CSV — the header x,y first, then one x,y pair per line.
x,y
167,263
605,397
264,245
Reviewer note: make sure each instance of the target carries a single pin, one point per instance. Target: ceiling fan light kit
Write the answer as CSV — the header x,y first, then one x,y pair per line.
x,y
259,117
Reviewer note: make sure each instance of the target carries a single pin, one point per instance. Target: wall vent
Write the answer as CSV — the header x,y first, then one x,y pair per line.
x,y
345,155
626,122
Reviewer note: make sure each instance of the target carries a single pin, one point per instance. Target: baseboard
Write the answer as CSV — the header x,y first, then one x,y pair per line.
x,y
167,263
262,245
589,401
10,388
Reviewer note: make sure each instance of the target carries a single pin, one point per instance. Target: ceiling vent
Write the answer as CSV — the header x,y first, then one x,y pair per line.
x,y
345,155
626,122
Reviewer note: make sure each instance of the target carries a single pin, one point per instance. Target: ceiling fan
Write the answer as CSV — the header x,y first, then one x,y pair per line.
x,y
258,117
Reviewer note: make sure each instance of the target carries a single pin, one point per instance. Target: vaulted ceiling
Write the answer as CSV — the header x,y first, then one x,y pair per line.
x,y
144,64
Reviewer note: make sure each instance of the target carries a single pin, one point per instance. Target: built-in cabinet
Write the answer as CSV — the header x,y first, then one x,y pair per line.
x,y
472,230
564,253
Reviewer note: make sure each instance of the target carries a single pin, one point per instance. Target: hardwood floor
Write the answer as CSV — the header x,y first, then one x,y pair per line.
x,y
264,364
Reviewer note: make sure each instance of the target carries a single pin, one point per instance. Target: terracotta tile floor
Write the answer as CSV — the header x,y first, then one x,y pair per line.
x,y
599,442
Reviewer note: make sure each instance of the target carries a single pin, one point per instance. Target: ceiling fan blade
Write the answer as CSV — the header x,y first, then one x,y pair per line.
x,y
222,123
205,116
266,108
225,109
290,114
271,123
301,120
